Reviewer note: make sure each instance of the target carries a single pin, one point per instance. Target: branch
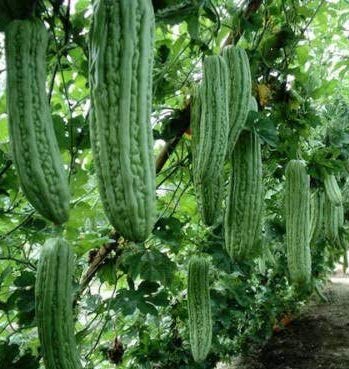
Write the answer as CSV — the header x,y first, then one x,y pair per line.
x,y
172,170
252,7
21,224
97,262
52,82
183,9
19,261
179,122
167,150
313,16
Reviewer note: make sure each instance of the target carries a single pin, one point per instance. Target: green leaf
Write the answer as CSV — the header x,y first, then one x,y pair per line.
x,y
4,137
26,279
146,307
303,54
107,273
267,131
169,230
9,353
26,307
27,361
147,287
5,273
81,5
150,265
160,299
126,301
3,103
193,27
60,131
156,266
327,88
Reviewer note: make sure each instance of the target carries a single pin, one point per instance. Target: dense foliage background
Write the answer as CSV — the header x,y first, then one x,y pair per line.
x,y
131,298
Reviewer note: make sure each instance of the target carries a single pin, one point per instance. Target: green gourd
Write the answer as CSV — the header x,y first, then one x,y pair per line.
x,y
317,208
34,145
297,213
240,86
210,134
53,306
195,116
121,66
333,220
332,190
199,308
244,203
345,193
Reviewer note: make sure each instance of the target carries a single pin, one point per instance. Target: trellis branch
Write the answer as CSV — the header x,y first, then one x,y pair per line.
x,y
19,261
182,123
97,262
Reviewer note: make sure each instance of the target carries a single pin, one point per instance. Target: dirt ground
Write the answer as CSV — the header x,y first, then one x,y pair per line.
x,y
318,339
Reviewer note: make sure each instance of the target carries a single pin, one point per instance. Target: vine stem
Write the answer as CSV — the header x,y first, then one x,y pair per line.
x,y
21,224
97,262
19,261
107,319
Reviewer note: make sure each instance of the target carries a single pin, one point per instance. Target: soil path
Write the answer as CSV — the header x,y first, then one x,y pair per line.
x,y
318,339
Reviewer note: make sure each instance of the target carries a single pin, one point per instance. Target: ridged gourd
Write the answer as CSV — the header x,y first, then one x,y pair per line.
x,y
244,204
199,308
297,214
333,220
240,86
210,125
345,193
34,145
121,66
332,190
53,306
317,208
